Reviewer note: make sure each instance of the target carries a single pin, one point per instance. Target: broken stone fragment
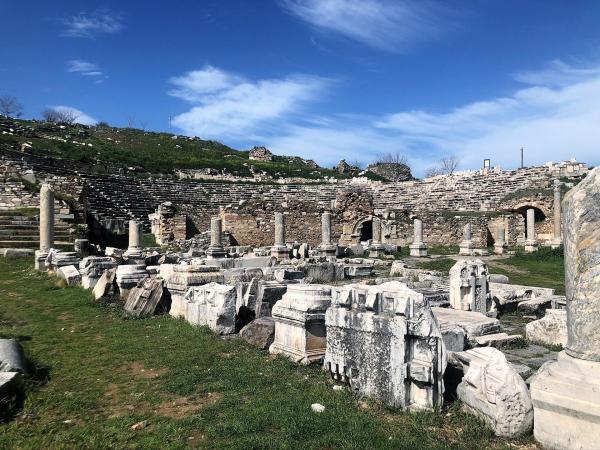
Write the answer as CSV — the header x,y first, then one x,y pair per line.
x,y
492,390
550,329
12,358
147,298
259,333
70,274
105,286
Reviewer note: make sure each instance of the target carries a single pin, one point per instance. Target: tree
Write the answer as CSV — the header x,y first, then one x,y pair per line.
x,y
10,106
392,158
65,116
447,166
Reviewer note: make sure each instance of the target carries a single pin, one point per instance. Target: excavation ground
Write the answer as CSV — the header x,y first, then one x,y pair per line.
x,y
96,374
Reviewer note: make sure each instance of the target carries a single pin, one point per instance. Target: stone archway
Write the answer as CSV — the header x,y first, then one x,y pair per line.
x,y
363,230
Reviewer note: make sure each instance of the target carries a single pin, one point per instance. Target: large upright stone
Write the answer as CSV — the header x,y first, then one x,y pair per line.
x,y
384,341
280,250
466,246
566,393
531,244
300,322
46,226
500,245
418,247
134,249
376,249
216,249
557,240
327,248
469,286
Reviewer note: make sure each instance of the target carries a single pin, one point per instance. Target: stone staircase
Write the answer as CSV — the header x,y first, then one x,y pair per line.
x,y
20,231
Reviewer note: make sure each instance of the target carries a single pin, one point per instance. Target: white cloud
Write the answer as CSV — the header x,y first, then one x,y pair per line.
x,y
393,25
88,25
555,120
84,68
227,105
81,117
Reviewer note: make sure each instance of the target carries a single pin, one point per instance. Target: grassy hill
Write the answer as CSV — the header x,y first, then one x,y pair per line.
x,y
105,148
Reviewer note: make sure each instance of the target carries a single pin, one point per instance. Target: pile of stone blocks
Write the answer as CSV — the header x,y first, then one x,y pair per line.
x,y
385,342
91,269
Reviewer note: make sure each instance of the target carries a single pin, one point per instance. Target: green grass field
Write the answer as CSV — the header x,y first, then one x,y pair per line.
x,y
544,268
98,373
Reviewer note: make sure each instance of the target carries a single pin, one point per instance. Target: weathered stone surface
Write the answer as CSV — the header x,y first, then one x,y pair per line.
x,y
474,323
493,390
46,218
536,306
469,286
497,339
497,278
128,276
455,338
91,269
550,329
11,389
507,296
385,342
179,278
300,323
259,333
146,298
212,305
12,358
70,274
268,293
566,393
105,286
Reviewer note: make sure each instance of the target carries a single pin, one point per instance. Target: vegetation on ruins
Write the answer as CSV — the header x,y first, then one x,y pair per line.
x,y
447,166
97,373
107,149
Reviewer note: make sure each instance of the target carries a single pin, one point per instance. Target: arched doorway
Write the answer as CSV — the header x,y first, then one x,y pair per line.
x,y
366,231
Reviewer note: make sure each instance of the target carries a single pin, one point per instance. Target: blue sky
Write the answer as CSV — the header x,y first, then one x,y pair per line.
x,y
323,79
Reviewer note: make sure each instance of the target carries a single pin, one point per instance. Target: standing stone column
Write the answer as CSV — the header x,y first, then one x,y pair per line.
x,y
216,250
557,218
46,226
135,239
280,250
531,244
376,249
566,392
500,244
466,246
46,218
326,248
418,247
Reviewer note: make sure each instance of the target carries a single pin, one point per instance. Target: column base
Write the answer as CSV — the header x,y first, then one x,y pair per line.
x,y
327,250
376,250
466,248
280,252
566,403
500,249
40,260
418,249
215,253
555,243
531,246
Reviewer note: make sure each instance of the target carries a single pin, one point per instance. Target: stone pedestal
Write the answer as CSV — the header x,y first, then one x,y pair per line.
x,y
183,278
134,249
300,323
40,260
280,250
531,244
500,245
469,286
466,246
566,392
418,247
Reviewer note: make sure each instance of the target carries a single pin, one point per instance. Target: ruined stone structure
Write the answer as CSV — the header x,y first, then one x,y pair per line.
x,y
566,393
485,199
469,286
385,342
167,225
